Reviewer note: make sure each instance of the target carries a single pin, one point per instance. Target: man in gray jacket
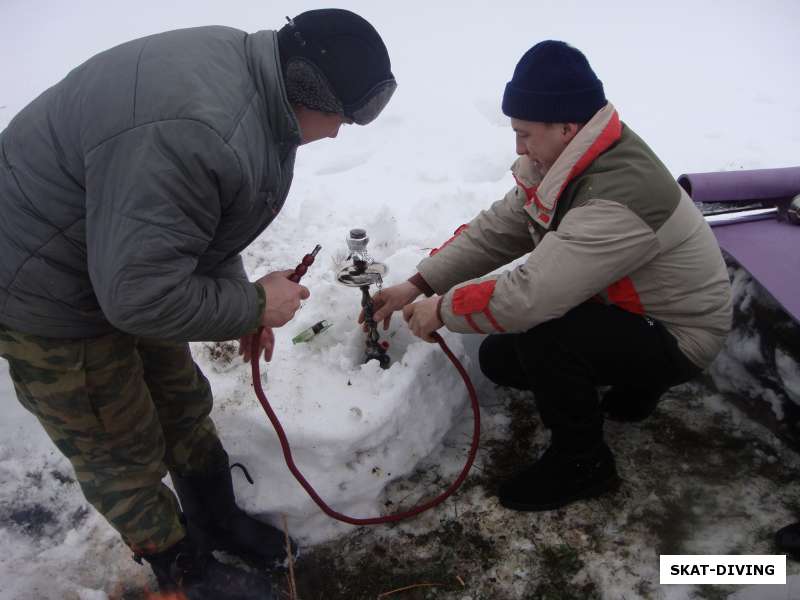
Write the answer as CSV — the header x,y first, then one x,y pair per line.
x,y
128,191
623,284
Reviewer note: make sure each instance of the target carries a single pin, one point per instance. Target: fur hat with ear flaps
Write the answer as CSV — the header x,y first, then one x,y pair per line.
x,y
334,61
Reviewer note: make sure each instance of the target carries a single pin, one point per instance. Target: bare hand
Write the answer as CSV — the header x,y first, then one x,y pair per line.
x,y
423,318
266,343
283,298
391,299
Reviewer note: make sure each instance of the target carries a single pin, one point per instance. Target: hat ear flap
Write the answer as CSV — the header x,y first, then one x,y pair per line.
x,y
308,86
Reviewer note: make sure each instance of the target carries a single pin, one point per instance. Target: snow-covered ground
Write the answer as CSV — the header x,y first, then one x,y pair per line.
x,y
708,85
759,364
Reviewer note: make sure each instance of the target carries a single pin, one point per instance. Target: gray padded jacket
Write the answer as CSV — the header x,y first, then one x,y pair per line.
x,y
128,189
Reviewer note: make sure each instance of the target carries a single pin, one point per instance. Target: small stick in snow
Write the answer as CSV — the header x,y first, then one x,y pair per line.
x,y
409,587
290,575
461,581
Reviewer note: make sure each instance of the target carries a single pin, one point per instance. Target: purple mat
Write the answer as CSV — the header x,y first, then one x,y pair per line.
x,y
767,248
741,186
770,251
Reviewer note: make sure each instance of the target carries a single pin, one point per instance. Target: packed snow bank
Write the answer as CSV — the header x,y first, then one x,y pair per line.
x,y
352,427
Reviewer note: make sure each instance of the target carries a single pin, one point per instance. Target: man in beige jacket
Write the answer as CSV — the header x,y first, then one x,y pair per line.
x,y
624,284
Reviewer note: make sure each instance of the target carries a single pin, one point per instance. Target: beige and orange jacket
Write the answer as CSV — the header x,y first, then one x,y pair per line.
x,y
608,222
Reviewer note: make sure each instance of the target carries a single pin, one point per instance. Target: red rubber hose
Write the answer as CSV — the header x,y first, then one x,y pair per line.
x,y
287,451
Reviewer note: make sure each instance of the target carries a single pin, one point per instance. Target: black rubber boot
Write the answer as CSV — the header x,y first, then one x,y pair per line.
x,y
629,404
559,477
184,569
214,519
787,540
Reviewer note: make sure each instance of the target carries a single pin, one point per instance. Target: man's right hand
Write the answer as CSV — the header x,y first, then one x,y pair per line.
x,y
391,299
283,298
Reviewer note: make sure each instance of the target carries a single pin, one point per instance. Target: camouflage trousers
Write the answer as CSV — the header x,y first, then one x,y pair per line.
x,y
124,410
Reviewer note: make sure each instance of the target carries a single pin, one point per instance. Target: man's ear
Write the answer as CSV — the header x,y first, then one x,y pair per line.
x,y
570,130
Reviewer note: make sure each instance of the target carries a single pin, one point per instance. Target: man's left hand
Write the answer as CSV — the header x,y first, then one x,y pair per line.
x,y
266,343
422,318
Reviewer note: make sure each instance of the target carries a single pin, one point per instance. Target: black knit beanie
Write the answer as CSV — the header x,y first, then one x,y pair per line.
x,y
333,60
553,83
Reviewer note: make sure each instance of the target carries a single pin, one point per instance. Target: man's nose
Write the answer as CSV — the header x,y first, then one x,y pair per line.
x,y
521,149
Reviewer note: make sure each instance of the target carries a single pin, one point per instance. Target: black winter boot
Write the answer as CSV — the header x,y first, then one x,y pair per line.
x,y
787,540
213,518
560,477
184,569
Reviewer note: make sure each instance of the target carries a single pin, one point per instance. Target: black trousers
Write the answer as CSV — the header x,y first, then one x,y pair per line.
x,y
564,360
